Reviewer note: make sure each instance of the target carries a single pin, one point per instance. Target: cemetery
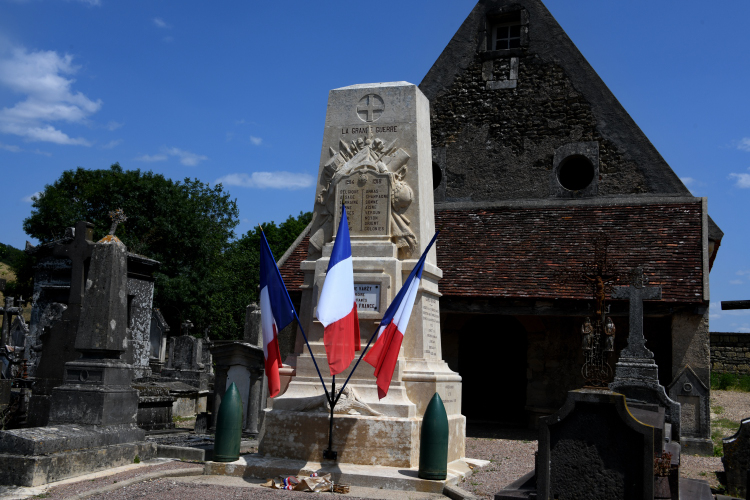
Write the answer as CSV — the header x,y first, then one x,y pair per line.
x,y
555,256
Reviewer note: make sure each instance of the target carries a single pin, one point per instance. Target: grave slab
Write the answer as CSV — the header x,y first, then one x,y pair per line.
x,y
695,413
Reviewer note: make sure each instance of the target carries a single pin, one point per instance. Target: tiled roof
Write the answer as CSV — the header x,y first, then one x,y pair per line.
x,y
541,252
290,271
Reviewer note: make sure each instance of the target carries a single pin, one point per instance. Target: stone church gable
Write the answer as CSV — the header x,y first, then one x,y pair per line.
x,y
504,119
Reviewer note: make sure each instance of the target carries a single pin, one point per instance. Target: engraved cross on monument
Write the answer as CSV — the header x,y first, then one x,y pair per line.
x,y
636,293
370,107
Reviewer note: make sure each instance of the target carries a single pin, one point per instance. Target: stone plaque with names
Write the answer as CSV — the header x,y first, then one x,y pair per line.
x,y
367,296
367,196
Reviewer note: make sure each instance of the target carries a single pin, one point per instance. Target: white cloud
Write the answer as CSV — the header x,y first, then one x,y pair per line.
x,y
743,272
30,198
42,78
186,157
744,144
743,180
91,2
688,181
168,39
112,144
735,282
112,125
257,141
158,21
268,180
714,309
151,158
10,147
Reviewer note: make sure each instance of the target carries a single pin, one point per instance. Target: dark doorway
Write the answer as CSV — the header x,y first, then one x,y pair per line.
x,y
492,363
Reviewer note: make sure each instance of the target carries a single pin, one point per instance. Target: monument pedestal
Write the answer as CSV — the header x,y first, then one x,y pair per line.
x,y
376,160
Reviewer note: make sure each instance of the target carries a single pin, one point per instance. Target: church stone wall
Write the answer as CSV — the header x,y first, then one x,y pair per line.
x,y
500,144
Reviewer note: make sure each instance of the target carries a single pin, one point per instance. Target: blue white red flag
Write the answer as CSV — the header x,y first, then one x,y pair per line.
x,y
337,308
276,312
384,353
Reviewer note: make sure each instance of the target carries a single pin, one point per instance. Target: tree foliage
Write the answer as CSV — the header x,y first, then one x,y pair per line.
x,y
238,276
187,226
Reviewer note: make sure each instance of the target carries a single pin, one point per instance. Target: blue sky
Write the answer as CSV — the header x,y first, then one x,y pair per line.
x,y
237,91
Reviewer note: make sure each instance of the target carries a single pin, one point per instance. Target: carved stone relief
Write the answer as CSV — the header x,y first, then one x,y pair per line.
x,y
369,177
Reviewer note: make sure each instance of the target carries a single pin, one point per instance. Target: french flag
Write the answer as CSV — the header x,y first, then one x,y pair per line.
x,y
384,352
276,312
337,308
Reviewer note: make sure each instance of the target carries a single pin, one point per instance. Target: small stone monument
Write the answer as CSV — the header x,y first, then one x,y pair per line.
x,y
376,159
636,373
695,422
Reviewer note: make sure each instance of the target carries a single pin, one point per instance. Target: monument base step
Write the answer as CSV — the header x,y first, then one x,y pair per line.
x,y
58,438
371,476
30,470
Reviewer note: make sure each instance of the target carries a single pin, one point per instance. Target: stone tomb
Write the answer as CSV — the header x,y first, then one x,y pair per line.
x,y
94,411
376,158
695,413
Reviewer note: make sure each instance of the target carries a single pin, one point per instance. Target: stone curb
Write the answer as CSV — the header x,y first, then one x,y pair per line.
x,y
133,480
456,493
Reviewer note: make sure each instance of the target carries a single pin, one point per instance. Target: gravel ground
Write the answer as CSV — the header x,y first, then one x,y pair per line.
x,y
510,451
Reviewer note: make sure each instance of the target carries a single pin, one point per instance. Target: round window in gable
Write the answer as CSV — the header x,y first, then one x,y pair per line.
x,y
575,173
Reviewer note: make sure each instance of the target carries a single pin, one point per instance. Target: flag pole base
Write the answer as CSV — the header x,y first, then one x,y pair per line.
x,y
330,455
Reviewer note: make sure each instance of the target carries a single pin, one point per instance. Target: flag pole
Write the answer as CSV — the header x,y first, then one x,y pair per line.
x,y
299,323
378,327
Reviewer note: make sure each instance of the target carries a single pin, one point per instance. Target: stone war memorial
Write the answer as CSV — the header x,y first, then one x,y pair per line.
x,y
376,159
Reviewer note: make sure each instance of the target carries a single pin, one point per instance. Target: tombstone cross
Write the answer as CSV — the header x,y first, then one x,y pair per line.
x,y
118,217
8,312
186,327
636,293
78,251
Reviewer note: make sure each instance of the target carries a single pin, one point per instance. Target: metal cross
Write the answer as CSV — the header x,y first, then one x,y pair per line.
x,y
118,217
636,293
370,108
78,251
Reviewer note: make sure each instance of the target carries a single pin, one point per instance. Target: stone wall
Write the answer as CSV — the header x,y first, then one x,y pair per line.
x,y
508,137
730,353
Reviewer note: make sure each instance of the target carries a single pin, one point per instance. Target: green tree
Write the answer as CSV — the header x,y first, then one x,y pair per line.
x,y
187,226
237,278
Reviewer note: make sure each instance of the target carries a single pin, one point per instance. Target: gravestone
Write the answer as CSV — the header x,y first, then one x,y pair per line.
x,y
736,459
636,373
695,422
593,448
242,364
185,359
376,159
94,412
158,332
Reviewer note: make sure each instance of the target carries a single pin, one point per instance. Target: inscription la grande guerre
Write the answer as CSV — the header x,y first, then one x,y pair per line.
x,y
366,130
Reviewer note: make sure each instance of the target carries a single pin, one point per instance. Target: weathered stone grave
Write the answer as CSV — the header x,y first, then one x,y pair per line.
x,y
376,158
736,460
636,373
243,364
187,365
593,448
695,422
158,334
56,313
94,412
